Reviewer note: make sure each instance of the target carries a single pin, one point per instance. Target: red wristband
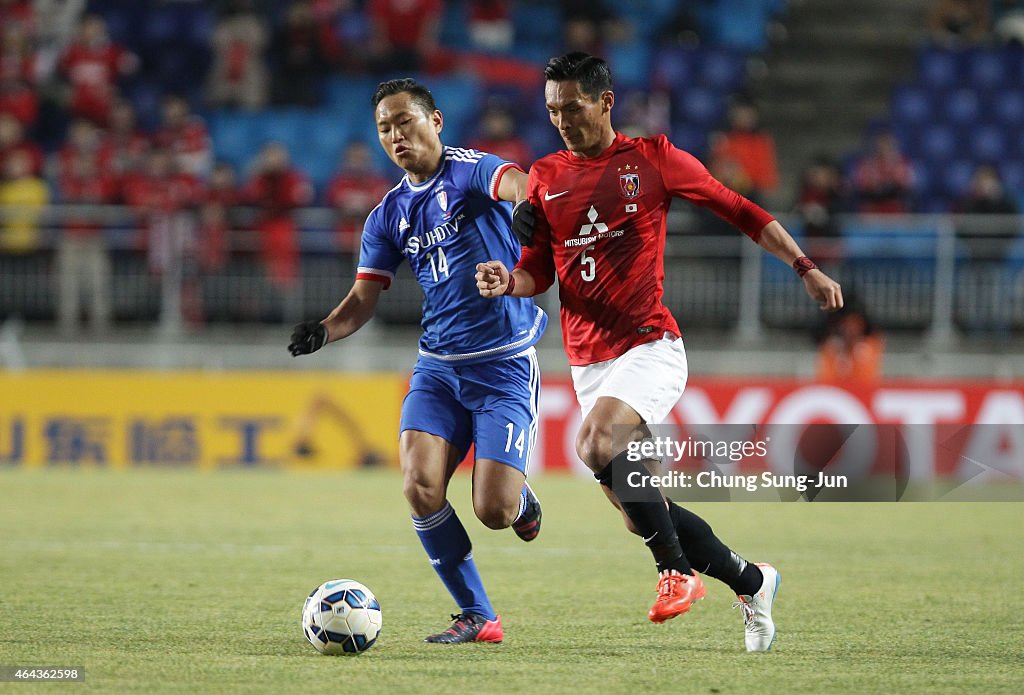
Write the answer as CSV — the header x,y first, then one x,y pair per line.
x,y
511,285
803,264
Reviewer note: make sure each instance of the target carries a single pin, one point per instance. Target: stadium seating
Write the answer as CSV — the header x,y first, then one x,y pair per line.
x,y
173,43
960,109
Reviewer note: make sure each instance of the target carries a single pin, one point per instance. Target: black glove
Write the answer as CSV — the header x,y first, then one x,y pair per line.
x,y
524,222
307,337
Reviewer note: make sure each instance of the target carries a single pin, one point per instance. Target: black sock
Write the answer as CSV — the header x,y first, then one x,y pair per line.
x,y
710,556
645,507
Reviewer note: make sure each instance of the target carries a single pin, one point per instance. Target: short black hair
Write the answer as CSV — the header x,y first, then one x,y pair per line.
x,y
591,72
420,94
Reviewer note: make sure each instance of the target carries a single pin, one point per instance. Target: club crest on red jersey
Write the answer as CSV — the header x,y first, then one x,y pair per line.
x,y
629,183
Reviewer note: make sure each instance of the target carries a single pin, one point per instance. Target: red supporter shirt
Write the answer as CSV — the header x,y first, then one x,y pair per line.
x,y
755,153
92,72
30,149
190,145
404,20
278,193
162,195
16,66
21,102
602,232
354,195
102,158
86,190
125,152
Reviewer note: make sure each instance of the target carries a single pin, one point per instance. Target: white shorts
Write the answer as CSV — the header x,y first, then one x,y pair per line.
x,y
649,378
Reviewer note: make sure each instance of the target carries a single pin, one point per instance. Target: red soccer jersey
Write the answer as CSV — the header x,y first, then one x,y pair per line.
x,y
602,231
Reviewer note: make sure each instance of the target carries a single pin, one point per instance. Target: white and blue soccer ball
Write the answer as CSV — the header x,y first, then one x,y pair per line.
x,y
341,617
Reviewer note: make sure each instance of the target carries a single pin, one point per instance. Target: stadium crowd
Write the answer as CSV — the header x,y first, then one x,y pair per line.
x,y
108,103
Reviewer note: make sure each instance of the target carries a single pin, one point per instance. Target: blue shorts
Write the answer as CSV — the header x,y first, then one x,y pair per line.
x,y
492,405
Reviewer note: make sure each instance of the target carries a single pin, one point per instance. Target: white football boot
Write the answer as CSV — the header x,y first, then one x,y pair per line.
x,y
757,611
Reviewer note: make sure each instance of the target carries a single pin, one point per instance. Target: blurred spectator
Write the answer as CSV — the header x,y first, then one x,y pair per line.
x,y
354,192
23,195
19,100
18,13
987,239
18,59
498,136
164,199
582,33
162,196
57,31
12,141
645,113
345,32
238,76
682,29
490,25
300,56
277,189
959,22
588,25
82,257
820,198
1009,20
216,220
125,144
184,135
750,147
84,140
92,65
850,348
986,195
404,35
883,178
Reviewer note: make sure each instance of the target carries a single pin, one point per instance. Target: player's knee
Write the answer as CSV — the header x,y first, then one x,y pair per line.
x,y
594,445
495,516
423,497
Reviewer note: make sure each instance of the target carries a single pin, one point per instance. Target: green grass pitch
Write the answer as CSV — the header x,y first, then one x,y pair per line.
x,y
186,582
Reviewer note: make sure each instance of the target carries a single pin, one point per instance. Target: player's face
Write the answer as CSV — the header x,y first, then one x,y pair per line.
x,y
410,135
584,123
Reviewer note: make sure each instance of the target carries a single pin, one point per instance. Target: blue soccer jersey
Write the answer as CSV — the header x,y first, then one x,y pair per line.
x,y
443,228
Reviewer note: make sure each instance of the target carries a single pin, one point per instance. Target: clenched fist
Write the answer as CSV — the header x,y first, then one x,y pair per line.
x,y
492,278
307,337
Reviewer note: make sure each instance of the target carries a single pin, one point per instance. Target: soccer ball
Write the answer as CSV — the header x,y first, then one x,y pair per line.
x,y
341,617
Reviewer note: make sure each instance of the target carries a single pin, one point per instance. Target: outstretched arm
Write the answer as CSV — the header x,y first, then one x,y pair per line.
x,y
777,241
348,317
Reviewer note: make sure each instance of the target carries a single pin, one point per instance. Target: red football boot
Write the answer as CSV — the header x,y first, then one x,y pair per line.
x,y
676,593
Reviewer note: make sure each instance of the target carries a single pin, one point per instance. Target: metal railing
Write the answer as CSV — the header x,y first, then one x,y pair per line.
x,y
938,275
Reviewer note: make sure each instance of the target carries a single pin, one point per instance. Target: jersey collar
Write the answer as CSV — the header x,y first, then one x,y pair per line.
x,y
417,187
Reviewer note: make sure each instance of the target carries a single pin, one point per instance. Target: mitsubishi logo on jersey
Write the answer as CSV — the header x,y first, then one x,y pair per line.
x,y
594,225
592,231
